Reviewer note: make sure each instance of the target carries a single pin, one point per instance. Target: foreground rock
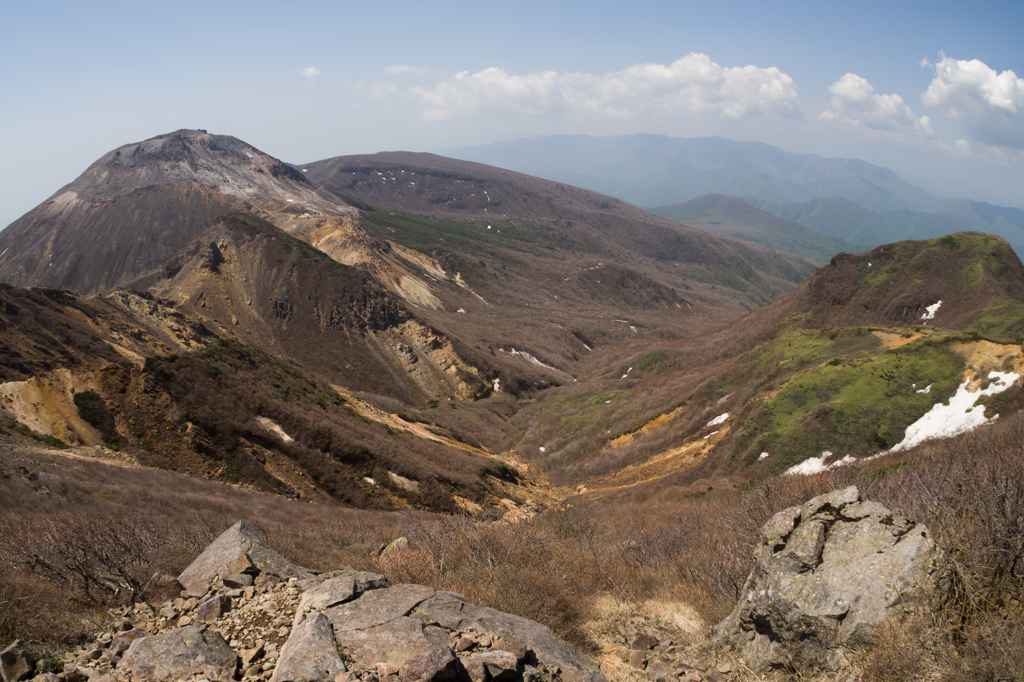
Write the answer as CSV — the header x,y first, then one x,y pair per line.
x,y
344,626
826,574
180,653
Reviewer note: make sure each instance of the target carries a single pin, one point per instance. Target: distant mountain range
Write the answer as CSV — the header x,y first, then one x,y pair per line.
x,y
846,198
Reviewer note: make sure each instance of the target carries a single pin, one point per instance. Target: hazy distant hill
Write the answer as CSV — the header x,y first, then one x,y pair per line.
x,y
654,170
840,217
846,198
731,217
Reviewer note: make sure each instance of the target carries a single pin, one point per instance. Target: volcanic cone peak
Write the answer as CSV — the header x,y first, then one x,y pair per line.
x,y
225,163
139,204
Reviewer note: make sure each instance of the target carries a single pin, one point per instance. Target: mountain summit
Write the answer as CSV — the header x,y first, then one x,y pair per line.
x,y
139,204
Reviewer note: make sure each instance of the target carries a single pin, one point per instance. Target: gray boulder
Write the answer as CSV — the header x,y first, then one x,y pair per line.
x,y
180,653
16,664
212,609
826,574
239,546
310,654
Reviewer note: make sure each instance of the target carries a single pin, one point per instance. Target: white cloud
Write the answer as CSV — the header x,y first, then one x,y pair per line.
x,y
691,84
989,106
399,69
854,103
310,72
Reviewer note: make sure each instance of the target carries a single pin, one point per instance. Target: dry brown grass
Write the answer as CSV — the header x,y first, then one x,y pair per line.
x,y
571,568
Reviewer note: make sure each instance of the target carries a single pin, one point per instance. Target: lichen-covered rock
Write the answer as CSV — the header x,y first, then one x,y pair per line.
x,y
826,574
180,653
310,654
227,553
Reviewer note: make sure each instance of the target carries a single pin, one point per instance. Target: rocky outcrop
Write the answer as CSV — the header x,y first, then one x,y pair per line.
x,y
343,626
238,550
826,574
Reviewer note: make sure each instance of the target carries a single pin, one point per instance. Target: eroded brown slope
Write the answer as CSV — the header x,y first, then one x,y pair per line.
x,y
247,279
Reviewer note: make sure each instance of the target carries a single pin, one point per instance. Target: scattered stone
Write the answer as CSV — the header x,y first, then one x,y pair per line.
x,y
212,609
236,580
643,642
501,665
395,546
385,669
637,659
440,665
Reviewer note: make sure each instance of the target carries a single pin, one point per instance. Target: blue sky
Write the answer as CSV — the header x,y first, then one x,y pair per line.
x,y
309,80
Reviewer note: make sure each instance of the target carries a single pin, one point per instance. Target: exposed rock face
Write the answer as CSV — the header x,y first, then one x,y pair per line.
x,y
178,653
230,547
826,574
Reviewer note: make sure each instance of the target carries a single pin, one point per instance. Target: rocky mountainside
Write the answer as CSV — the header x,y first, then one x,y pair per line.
x,y
246,278
139,204
851,363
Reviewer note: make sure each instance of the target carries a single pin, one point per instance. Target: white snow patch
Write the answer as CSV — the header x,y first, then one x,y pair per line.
x,y
720,419
291,201
816,465
932,309
5,250
606,402
584,345
271,425
305,170
541,449
959,416
460,310
497,385
488,227
763,455
869,265
632,328
926,389
526,356
710,434
624,376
